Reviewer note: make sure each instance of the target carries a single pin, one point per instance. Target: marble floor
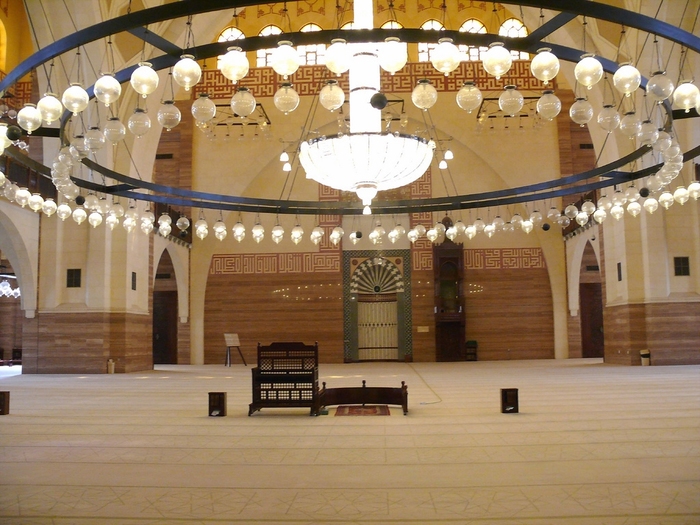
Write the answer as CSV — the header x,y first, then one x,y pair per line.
x,y
593,444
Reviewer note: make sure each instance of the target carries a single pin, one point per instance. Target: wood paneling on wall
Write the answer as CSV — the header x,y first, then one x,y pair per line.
x,y
668,330
10,324
82,343
423,304
574,331
510,313
302,306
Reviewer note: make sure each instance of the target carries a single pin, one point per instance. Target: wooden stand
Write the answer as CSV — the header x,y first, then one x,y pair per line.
x,y
233,341
4,403
376,395
509,400
217,404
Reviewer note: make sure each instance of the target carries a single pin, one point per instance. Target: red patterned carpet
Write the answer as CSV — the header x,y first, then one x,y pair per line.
x,y
366,410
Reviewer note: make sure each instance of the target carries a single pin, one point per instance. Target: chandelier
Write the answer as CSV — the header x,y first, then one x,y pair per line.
x,y
366,160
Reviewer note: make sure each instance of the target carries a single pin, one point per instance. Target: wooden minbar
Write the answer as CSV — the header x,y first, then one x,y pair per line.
x,y
286,376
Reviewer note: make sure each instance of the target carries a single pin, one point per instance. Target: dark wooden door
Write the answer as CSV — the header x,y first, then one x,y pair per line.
x,y
591,308
165,328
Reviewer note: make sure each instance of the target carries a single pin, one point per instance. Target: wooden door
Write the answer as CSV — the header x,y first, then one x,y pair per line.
x,y
165,328
591,308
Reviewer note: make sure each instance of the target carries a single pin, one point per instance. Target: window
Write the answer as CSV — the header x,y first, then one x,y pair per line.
x,y
263,55
347,25
73,278
681,265
312,54
472,25
514,28
619,272
133,280
229,35
424,49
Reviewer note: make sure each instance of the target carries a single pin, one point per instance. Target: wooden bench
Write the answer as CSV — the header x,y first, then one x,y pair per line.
x,y
376,395
286,376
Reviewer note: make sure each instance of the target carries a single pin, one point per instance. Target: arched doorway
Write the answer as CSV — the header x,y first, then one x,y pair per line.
x,y
165,317
591,305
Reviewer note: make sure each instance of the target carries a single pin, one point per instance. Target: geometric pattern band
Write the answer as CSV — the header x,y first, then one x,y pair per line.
x,y
504,259
308,80
274,263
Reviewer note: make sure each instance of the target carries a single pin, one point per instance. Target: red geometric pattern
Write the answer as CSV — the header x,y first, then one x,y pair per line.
x,y
272,263
22,92
308,80
421,260
504,259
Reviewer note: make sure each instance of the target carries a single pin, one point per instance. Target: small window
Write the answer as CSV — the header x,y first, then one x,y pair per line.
x,y
619,272
73,278
681,265
264,55
133,280
312,54
424,49
472,25
514,28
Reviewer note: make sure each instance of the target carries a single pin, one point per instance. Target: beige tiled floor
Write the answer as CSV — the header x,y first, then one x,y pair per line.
x,y
593,444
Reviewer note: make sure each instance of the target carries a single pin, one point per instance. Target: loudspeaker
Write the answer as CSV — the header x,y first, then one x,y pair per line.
x,y
217,404
4,403
509,400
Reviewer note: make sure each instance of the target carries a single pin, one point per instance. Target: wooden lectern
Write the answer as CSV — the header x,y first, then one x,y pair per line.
x,y
231,341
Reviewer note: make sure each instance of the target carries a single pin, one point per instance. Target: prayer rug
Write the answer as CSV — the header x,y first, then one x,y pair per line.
x,y
359,410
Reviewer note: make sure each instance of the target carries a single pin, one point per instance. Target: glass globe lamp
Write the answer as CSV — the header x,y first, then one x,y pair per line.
x,y
164,219
582,218
338,56
79,215
479,225
144,79
600,215
588,207
420,229
147,216
182,223
219,226
527,225
445,57
659,87
544,65
139,123
393,55
681,195
648,133
424,95
432,234
608,118
650,205
187,72
470,232
581,112
412,235
94,139
164,229
146,227
469,97
654,184
286,99
201,229
114,130
515,220
588,71
634,208
203,109
317,235
243,102
49,207
75,99
666,199
686,96
29,118
258,232
234,64
617,212
297,234
63,211
630,124
107,89
548,105
663,141
331,97
510,101
497,60
129,223
277,234
168,115
632,194
571,211
336,235
694,190
35,202
238,231
50,108
95,219
285,59
553,214
627,79
618,198
22,196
